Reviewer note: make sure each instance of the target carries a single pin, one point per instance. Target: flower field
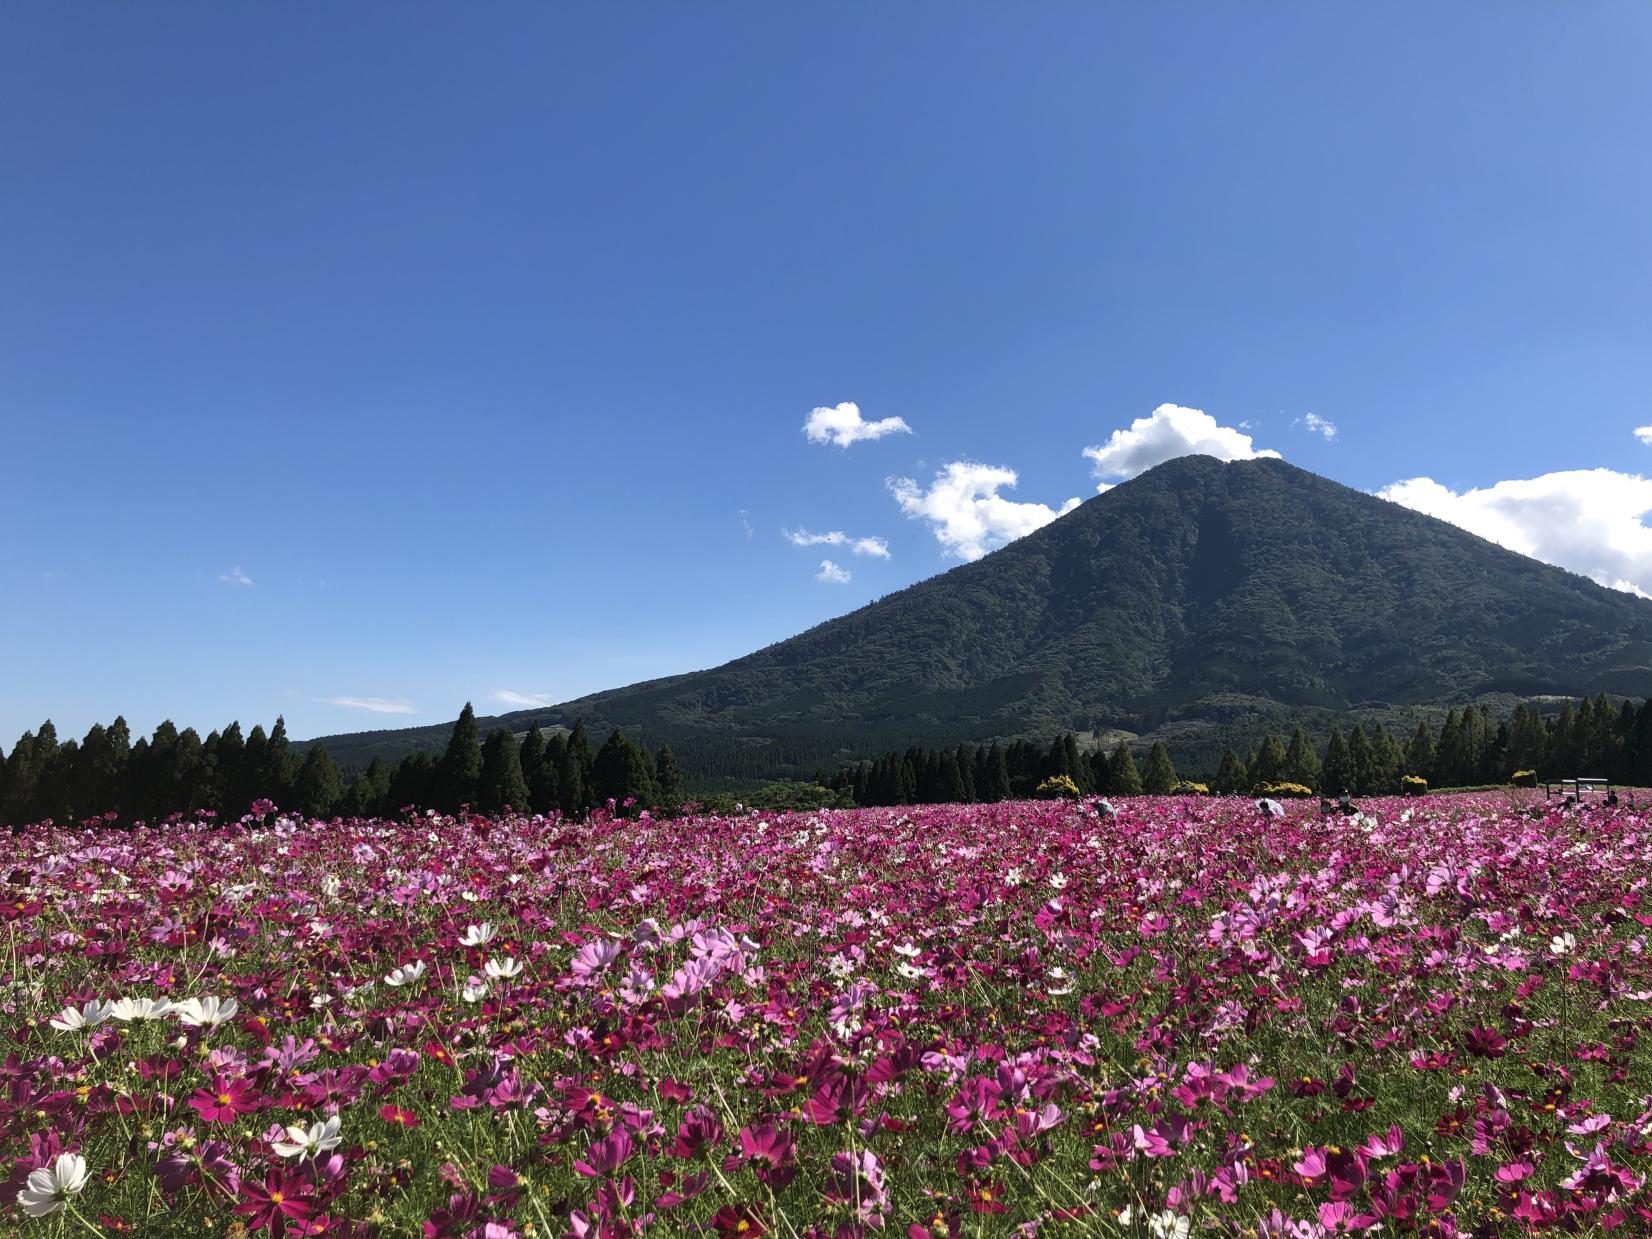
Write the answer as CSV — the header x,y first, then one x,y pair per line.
x,y
1020,1018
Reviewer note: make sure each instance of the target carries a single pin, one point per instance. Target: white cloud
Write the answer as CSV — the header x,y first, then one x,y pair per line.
x,y
1587,520
1316,424
832,573
745,523
235,577
877,548
843,425
967,514
1167,432
1644,433
378,705
523,699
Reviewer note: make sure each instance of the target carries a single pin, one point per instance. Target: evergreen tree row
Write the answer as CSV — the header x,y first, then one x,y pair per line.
x,y
985,773
109,774
176,772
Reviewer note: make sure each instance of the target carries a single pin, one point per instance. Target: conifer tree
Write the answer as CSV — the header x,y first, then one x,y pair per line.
x,y
1527,738
1231,776
997,785
278,771
578,787
1077,768
459,775
250,785
1160,779
668,778
1301,762
318,787
1359,761
1123,777
1338,775
1387,758
1268,766
412,782
532,757
1420,753
951,781
501,784
372,788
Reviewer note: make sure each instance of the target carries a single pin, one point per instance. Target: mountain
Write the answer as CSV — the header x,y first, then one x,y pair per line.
x,y
1198,598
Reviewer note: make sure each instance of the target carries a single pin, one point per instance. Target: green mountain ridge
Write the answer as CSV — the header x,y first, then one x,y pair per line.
x,y
1199,598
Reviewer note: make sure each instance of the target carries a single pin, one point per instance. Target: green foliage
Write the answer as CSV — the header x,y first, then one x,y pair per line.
x,y
459,775
1231,775
1161,777
318,787
622,773
668,779
1123,777
502,784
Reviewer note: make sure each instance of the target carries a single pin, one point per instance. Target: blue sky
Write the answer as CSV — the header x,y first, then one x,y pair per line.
x,y
402,354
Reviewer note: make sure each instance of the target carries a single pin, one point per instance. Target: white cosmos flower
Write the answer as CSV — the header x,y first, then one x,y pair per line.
x,y
207,1012
132,1010
48,1189
475,990
503,969
89,1015
1562,944
910,973
318,1138
330,886
1169,1225
908,950
479,935
406,974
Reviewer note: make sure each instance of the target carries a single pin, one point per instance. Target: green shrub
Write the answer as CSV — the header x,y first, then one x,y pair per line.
x,y
1283,791
1057,787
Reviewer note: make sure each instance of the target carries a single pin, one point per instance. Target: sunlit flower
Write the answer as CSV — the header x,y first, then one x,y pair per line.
x,y
49,1189
478,935
406,974
207,1012
136,1010
503,969
88,1015
304,1142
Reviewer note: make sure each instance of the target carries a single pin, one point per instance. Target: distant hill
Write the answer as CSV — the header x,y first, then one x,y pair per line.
x,y
1197,599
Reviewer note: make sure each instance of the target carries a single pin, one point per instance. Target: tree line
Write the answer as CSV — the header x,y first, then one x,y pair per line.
x,y
108,775
1591,739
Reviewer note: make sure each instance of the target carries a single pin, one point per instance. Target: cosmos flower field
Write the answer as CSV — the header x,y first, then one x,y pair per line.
x,y
1018,1018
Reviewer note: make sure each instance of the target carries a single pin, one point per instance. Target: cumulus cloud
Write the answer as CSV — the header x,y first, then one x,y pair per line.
x,y
1167,432
832,574
967,514
1315,424
377,705
235,577
523,699
1588,520
1644,433
877,548
842,425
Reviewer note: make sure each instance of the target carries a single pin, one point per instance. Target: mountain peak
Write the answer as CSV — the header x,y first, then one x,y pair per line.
x,y
1194,594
